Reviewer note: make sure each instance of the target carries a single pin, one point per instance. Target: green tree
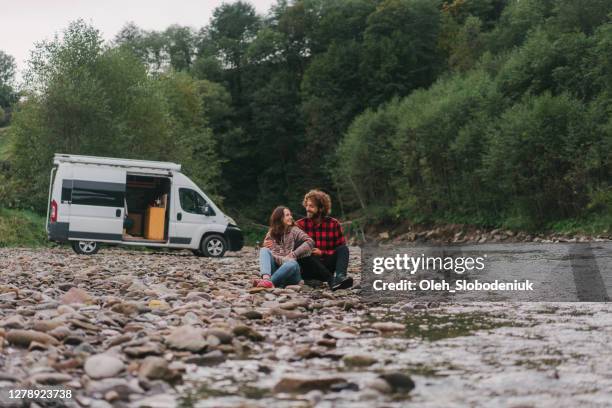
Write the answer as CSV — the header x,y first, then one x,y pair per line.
x,y
83,98
581,15
400,50
232,28
8,96
181,46
517,20
536,147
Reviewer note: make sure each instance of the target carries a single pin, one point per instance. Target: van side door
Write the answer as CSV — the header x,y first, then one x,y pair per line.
x,y
97,203
188,216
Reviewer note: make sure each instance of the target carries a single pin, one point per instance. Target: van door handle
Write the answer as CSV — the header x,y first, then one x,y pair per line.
x,y
179,216
118,213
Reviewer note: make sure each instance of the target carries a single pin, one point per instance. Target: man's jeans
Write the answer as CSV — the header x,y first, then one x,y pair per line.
x,y
286,274
322,267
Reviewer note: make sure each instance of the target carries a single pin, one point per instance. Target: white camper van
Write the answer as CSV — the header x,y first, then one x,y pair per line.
x,y
134,202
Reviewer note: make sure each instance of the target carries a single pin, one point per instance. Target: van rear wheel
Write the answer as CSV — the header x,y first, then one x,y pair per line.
x,y
85,247
213,246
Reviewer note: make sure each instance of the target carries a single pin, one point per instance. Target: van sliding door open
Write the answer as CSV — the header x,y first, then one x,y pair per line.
x,y
97,203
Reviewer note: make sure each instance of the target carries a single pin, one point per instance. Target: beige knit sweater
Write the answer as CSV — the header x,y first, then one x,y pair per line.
x,y
283,250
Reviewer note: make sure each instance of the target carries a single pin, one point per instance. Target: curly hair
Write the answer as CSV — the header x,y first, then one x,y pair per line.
x,y
320,199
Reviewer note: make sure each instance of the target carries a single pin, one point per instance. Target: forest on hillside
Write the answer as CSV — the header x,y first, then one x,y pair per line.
x,y
484,112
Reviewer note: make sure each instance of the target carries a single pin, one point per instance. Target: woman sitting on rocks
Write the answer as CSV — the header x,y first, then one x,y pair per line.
x,y
283,245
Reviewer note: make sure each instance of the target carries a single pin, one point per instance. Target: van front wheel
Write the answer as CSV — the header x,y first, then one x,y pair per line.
x,y
85,247
214,246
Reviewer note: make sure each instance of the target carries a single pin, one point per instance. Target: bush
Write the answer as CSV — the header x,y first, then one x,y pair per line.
x,y
22,228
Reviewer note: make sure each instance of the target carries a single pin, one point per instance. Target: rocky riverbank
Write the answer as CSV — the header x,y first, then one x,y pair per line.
x,y
463,234
136,329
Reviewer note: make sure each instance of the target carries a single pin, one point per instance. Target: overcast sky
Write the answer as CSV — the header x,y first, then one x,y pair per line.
x,y
24,22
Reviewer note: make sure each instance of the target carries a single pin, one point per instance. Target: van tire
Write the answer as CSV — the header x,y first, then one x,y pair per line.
x,y
85,247
213,245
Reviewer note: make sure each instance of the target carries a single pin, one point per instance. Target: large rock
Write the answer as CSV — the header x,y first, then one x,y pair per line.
x,y
187,338
306,384
209,359
47,325
358,360
13,322
23,338
398,382
247,332
224,336
50,378
103,366
388,326
76,295
252,315
125,308
154,368
144,350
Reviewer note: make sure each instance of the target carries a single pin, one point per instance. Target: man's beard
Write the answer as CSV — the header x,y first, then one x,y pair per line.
x,y
311,214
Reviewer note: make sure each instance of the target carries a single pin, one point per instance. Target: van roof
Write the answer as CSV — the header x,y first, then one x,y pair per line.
x,y
110,161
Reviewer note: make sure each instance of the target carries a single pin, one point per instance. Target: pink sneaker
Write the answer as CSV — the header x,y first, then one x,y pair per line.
x,y
265,283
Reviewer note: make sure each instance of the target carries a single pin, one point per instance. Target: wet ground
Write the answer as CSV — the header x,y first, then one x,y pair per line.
x,y
137,329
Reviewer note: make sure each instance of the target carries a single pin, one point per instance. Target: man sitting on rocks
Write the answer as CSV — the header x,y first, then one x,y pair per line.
x,y
330,255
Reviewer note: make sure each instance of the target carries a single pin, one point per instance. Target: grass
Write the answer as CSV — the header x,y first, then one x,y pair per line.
x,y
600,224
20,228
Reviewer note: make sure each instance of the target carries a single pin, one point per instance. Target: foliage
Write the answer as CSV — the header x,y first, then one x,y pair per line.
x,y
86,99
22,228
492,112
520,139
8,95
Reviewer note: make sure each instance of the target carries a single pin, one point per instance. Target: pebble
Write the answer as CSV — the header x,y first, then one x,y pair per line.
x,y
398,382
186,338
13,322
103,366
76,295
162,316
224,336
388,326
208,359
50,378
23,338
304,384
358,360
380,385
154,368
253,315
247,332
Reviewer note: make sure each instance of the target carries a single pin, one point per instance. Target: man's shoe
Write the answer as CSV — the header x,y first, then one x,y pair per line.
x,y
342,284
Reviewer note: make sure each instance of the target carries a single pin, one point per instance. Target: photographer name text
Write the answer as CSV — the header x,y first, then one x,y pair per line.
x,y
452,287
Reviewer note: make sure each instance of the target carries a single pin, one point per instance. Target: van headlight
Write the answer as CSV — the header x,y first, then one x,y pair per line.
x,y
230,220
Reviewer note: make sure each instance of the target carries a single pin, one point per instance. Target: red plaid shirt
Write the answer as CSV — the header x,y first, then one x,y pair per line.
x,y
327,235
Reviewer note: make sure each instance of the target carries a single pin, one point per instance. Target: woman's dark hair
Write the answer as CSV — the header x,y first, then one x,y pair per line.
x,y
277,226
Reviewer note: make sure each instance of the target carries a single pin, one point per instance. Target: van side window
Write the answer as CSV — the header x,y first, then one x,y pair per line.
x,y
66,191
98,193
191,201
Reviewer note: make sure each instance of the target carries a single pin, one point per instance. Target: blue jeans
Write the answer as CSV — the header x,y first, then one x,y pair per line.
x,y
286,274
